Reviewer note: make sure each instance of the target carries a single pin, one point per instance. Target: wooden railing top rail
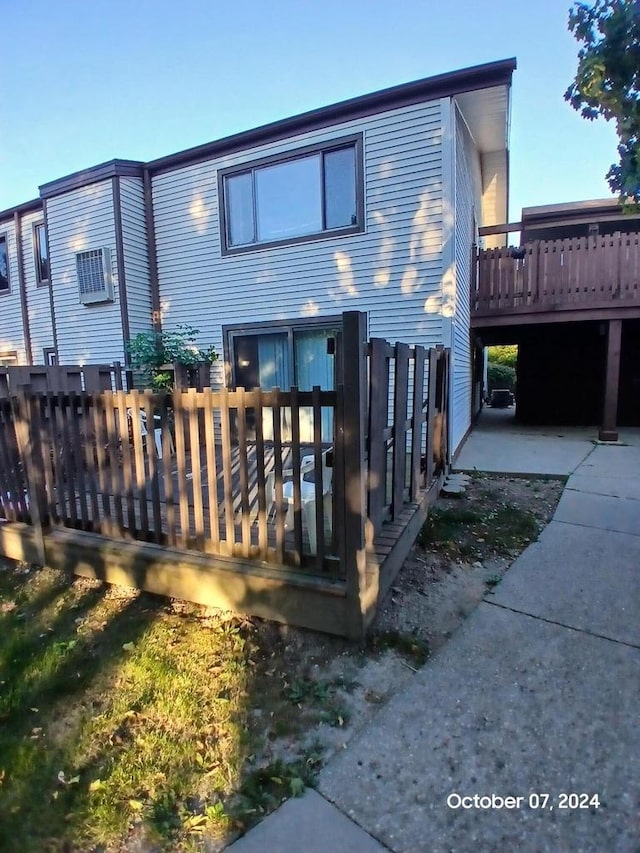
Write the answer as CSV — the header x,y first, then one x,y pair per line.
x,y
574,273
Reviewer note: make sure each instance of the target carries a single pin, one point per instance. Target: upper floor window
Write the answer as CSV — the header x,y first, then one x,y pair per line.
x,y
4,264
41,254
314,192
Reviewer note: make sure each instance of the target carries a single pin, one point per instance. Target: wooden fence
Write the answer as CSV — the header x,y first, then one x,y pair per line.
x,y
578,273
193,470
60,378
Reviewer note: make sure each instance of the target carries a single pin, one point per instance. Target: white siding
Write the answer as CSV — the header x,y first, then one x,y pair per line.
x,y
467,197
393,270
80,220
38,301
11,331
136,258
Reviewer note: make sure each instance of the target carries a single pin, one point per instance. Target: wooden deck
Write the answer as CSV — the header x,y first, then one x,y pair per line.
x,y
582,278
224,514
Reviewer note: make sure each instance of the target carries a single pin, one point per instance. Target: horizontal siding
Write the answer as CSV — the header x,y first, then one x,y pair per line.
x,y
393,270
136,258
38,301
11,331
78,221
467,200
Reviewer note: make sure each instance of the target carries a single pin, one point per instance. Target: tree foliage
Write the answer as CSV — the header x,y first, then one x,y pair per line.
x,y
506,354
607,81
152,351
501,376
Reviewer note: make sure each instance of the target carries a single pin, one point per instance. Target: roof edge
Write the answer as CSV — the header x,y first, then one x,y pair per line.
x,y
491,74
92,175
24,207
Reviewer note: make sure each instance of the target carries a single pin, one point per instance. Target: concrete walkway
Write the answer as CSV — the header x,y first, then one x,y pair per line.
x,y
522,732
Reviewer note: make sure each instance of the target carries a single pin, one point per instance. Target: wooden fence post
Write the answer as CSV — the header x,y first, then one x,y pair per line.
x,y
26,420
351,434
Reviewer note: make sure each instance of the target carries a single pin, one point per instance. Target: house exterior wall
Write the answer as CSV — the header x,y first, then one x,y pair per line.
x,y
136,255
38,298
77,221
393,270
11,327
468,194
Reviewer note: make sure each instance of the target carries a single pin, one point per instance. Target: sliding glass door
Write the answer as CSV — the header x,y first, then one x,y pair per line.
x,y
280,358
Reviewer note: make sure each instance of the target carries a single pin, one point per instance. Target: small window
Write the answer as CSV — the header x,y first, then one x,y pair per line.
x,y
317,192
4,264
8,358
41,254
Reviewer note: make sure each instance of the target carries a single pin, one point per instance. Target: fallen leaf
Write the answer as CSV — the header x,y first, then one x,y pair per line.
x,y
96,785
135,804
61,777
128,647
74,780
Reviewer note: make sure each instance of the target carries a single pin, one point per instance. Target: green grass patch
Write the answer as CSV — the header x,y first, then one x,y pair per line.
x,y
498,528
123,717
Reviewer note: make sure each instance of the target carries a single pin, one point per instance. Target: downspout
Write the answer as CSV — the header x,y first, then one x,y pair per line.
x,y
51,300
22,287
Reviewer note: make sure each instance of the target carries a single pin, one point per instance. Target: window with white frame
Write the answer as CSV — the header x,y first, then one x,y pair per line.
x,y
4,264
310,193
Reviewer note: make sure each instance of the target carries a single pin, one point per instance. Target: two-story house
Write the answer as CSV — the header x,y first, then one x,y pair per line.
x,y
260,240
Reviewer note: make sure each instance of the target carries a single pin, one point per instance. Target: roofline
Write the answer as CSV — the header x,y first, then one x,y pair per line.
x,y
586,208
25,207
102,172
406,94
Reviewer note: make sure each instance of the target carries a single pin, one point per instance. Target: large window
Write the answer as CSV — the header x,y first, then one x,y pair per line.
x,y
4,264
41,254
314,192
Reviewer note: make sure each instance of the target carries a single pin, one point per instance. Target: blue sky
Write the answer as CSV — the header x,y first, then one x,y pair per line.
x,y
84,82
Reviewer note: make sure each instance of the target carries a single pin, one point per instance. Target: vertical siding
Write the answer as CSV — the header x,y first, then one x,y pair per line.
x,y
80,220
38,301
467,196
136,259
11,331
393,270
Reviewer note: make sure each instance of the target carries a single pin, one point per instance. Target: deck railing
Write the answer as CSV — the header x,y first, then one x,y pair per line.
x,y
217,471
558,275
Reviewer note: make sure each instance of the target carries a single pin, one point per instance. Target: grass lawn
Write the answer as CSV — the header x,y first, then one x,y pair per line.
x,y
126,717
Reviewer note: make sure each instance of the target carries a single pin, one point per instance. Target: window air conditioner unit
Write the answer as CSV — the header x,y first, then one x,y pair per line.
x,y
95,282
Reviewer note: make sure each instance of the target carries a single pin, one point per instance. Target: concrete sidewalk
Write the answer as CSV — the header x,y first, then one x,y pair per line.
x,y
535,698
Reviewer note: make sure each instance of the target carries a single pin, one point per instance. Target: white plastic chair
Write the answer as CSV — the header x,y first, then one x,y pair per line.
x,y
157,432
308,496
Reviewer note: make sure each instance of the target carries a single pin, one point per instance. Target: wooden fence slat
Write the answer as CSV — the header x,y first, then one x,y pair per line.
x,y
419,355
90,458
12,486
295,466
153,480
278,485
48,457
27,431
318,478
76,439
193,417
212,473
263,534
241,421
225,434
139,478
181,473
400,397
99,425
378,417
122,420
167,469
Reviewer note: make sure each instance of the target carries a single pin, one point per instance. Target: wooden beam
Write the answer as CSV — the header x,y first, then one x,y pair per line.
x,y
609,430
509,228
